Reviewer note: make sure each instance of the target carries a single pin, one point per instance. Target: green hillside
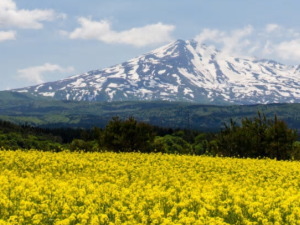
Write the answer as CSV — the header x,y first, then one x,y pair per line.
x,y
37,111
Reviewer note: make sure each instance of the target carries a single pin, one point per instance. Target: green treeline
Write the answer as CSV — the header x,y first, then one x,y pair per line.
x,y
256,137
14,137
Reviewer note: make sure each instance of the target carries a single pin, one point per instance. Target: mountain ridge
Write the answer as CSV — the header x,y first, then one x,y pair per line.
x,y
182,71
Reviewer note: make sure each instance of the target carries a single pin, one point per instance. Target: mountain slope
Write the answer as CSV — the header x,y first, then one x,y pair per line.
x,y
182,71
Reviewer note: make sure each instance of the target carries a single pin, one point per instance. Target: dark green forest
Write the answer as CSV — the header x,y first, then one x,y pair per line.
x,y
256,137
44,112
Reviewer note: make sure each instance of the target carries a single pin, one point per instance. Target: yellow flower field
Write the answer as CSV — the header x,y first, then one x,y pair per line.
x,y
110,188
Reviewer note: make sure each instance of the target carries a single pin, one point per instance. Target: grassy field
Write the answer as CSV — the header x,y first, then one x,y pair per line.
x,y
110,188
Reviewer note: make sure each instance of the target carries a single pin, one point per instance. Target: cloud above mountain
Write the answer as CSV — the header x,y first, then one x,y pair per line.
x,y
7,35
36,74
137,36
270,41
289,50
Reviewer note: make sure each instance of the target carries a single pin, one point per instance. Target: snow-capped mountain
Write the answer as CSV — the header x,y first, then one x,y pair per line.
x,y
182,71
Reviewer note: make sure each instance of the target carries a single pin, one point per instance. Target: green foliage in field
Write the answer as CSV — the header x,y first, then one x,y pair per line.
x,y
25,137
257,137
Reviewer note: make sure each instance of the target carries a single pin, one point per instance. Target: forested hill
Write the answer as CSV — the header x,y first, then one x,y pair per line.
x,y
44,112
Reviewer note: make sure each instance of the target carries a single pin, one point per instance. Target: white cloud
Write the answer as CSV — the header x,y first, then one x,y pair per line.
x,y
267,48
237,40
11,16
140,36
289,50
37,74
209,35
7,35
272,41
272,27
232,42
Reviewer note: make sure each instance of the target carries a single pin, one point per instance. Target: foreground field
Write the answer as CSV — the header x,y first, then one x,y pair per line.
x,y
109,188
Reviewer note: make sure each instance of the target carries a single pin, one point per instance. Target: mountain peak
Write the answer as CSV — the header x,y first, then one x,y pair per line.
x,y
182,71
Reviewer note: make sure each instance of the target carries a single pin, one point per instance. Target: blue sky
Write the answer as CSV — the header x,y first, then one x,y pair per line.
x,y
44,41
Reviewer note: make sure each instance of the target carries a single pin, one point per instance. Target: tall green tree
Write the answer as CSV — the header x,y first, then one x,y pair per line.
x,y
128,135
257,137
280,139
172,144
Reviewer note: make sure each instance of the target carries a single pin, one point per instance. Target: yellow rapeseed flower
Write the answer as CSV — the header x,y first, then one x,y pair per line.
x,y
133,188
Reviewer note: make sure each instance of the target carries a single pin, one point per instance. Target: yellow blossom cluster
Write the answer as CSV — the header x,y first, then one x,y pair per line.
x,y
132,188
